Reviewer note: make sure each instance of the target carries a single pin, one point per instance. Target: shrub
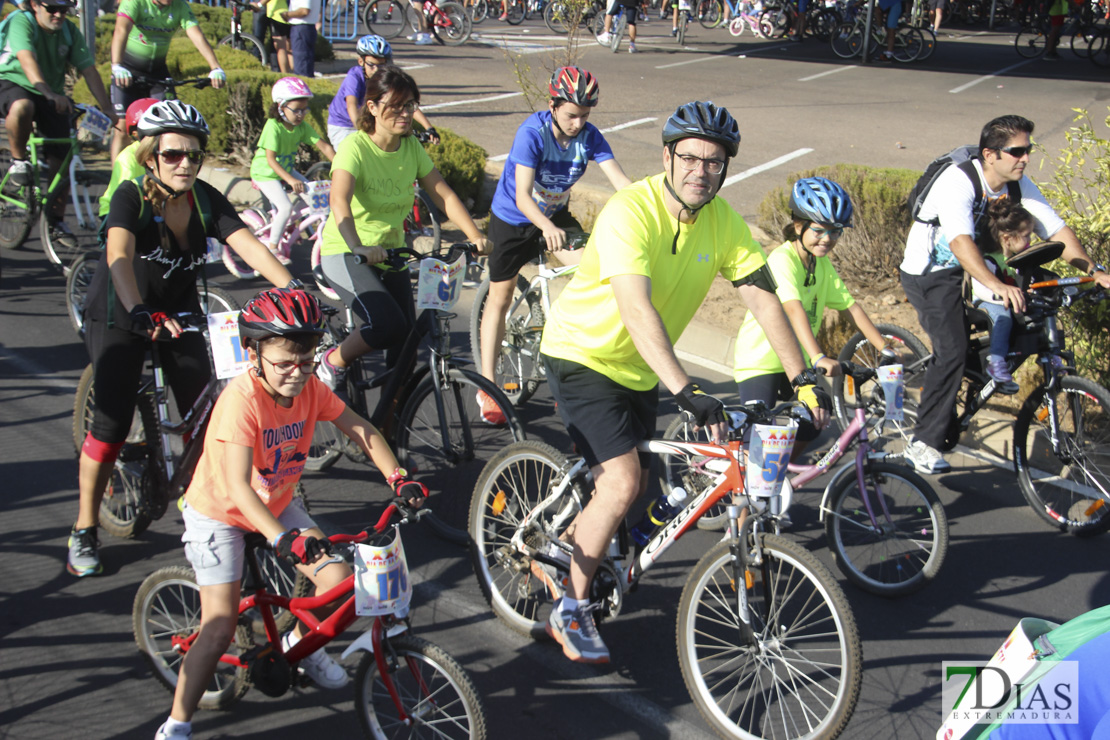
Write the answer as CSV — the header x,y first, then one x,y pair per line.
x,y
1079,190
461,162
869,253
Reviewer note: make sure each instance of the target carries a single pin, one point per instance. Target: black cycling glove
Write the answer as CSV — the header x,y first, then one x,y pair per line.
x,y
704,408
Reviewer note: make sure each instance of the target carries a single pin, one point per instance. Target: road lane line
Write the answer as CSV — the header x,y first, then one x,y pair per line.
x,y
471,101
764,167
828,72
719,56
611,129
984,78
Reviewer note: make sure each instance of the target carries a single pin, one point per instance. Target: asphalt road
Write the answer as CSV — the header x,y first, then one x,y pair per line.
x,y
69,666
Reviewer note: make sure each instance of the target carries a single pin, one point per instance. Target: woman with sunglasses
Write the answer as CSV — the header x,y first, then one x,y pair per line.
x,y
372,190
807,285
157,230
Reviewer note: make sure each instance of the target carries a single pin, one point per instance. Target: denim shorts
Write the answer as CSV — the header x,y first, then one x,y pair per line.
x,y
215,549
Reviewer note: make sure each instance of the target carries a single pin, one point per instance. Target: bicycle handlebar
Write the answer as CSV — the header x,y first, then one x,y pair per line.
x,y
408,514
171,84
398,257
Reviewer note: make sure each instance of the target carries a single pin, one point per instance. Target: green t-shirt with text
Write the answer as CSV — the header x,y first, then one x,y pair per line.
x,y
383,191
284,143
53,52
154,27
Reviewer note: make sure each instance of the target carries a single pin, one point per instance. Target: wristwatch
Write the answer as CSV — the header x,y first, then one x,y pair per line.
x,y
1096,268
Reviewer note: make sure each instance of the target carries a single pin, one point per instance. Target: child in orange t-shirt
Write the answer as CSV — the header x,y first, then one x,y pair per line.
x,y
254,453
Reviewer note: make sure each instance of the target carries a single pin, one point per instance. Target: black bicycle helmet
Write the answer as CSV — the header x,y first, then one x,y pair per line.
x,y
279,312
574,85
703,121
821,201
173,116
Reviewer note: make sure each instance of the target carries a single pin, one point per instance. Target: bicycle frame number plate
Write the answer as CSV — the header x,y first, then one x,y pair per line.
x,y
440,284
318,196
228,356
95,124
382,584
894,390
768,456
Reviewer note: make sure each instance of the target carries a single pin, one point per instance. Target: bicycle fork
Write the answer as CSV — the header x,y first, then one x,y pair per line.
x,y
83,206
739,526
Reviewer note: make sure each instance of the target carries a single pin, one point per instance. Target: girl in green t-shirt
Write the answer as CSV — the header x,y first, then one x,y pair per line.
x,y
282,136
807,284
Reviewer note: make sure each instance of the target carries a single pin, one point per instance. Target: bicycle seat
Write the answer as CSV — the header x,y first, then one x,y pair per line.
x,y
1036,255
977,320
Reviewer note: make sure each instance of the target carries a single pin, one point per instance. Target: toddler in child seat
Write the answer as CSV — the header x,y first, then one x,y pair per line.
x,y
284,132
1012,227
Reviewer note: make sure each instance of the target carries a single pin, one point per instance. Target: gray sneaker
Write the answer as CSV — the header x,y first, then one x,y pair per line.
x,y
62,235
576,632
20,173
83,558
925,459
332,376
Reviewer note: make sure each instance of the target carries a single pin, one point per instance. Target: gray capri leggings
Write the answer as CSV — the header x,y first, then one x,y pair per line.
x,y
381,298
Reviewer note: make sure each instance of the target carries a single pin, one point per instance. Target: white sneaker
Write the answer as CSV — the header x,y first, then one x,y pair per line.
x,y
925,459
163,734
604,39
20,172
632,48
424,39
319,667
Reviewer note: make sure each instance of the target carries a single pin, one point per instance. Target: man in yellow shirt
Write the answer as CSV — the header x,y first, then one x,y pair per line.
x,y
609,341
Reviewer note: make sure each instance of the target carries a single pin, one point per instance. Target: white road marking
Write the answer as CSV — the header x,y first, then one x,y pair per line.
x,y
827,73
766,166
472,101
984,78
720,56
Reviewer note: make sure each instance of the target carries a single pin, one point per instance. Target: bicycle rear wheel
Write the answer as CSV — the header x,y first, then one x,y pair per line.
x,y
683,24
847,397
422,228
1030,42
846,40
511,486
896,556
448,458
246,43
802,678
558,16
1098,49
479,11
709,13
166,612
518,369
386,18
515,11
436,693
77,287
1068,487
908,43
453,27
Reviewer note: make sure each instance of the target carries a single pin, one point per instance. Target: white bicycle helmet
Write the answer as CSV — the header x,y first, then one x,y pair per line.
x,y
173,116
289,88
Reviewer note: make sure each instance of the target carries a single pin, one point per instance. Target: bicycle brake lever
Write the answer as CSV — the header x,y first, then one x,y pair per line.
x,y
329,561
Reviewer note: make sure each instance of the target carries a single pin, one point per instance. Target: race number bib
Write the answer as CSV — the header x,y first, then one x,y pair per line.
x,y
893,383
228,356
440,284
549,201
317,195
382,584
768,455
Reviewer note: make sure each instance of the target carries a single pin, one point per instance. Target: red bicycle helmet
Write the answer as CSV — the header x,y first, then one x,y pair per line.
x,y
279,312
135,111
574,85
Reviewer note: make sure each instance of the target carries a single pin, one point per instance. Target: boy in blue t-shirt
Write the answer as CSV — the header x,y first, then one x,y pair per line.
x,y
346,107
529,214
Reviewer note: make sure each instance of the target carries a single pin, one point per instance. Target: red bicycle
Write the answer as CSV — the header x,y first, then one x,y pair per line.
x,y
405,686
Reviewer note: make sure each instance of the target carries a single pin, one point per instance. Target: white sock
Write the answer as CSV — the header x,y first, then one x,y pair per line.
x,y
288,640
173,727
995,358
569,605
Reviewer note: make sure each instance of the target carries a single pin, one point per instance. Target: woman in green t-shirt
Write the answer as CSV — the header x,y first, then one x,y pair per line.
x,y
372,190
807,285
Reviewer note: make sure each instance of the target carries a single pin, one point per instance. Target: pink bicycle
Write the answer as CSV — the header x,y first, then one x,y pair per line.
x,y
305,222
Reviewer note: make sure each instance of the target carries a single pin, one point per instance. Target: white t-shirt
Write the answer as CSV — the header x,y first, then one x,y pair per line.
x,y
313,16
951,200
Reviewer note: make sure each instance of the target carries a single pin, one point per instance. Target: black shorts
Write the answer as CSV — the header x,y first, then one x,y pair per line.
x,y
140,87
277,28
773,389
50,124
604,418
515,246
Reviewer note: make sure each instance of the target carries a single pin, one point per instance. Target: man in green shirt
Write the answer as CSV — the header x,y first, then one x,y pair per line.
x,y
40,44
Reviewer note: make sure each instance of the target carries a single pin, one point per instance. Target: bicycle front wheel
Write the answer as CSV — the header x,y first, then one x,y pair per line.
x,y
77,287
908,44
514,9
479,11
510,487
422,228
895,555
846,40
17,205
246,42
448,457
709,13
557,16
1030,42
127,508
386,18
683,23
518,371
63,247
1098,48
848,395
438,697
802,677
1067,485
453,27
678,470
166,612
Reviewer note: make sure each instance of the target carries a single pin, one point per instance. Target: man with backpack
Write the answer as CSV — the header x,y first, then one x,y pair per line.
x,y
36,46
949,236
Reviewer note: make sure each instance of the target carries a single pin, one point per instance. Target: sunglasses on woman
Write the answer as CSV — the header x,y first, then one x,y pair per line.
x,y
174,156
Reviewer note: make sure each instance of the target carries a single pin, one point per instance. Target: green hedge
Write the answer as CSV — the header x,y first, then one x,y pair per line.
x,y
869,253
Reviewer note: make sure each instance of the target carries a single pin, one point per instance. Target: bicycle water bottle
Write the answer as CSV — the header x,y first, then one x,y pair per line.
x,y
661,511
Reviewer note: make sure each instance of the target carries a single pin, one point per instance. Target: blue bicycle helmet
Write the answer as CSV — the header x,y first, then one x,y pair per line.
x,y
822,201
374,46
704,121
